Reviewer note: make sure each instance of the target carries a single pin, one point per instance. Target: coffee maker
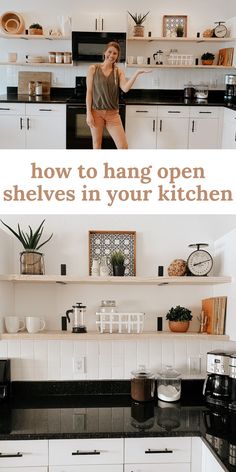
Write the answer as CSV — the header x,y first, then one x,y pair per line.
x,y
5,380
230,91
216,385
78,314
232,381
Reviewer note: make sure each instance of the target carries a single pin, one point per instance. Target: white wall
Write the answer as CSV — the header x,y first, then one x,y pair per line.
x,y
201,15
160,239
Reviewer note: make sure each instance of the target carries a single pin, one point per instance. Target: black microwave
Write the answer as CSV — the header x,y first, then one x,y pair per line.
x,y
90,46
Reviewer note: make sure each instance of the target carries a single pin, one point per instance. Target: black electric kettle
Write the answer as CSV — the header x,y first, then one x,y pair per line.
x,y
77,312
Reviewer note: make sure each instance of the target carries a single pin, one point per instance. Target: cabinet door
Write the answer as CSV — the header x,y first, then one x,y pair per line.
x,y
12,132
157,468
85,21
23,469
141,126
12,125
159,450
204,133
209,462
172,133
46,126
229,130
113,22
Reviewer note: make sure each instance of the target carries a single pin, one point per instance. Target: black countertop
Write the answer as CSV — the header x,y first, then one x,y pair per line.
x,y
59,415
133,97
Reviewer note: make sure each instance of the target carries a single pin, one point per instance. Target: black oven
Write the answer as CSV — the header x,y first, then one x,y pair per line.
x,y
78,134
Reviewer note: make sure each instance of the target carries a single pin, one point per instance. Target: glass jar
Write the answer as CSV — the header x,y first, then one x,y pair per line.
x,y
142,384
67,57
31,88
59,57
169,385
38,88
52,57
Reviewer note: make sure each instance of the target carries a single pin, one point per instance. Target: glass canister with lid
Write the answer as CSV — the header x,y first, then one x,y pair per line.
x,y
142,384
169,384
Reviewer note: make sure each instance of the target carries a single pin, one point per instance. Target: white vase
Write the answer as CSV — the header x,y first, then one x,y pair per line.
x,y
104,269
95,268
65,25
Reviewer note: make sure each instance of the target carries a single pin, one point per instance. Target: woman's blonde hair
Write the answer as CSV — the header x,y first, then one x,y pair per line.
x,y
115,45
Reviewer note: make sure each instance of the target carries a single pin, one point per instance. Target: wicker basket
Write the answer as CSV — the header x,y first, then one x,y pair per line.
x,y
12,23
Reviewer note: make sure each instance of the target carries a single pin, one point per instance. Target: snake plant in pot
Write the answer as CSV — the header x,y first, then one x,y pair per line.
x,y
117,261
31,260
138,20
179,318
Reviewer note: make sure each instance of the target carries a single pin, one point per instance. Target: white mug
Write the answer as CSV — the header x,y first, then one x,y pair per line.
x,y
130,60
34,324
14,324
140,60
12,57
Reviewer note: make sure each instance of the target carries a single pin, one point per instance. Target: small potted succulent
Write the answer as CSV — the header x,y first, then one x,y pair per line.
x,y
117,260
179,318
207,58
179,31
138,19
31,260
35,28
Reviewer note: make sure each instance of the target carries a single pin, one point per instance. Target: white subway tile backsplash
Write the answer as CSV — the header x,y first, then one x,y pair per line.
x,y
67,352
80,351
105,359
53,360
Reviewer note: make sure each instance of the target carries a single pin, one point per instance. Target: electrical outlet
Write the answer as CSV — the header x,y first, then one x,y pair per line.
x,y
194,365
79,365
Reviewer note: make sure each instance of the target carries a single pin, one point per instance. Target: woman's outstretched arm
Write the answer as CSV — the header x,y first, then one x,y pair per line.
x,y
126,84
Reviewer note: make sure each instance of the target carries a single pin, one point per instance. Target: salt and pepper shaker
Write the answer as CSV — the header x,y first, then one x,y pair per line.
x,y
159,323
63,269
160,271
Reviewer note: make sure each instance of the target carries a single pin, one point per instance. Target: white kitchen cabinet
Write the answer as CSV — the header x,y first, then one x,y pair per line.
x,y
12,134
87,468
209,462
204,129
168,450
141,124
83,452
158,468
32,126
20,455
45,126
172,127
92,21
229,129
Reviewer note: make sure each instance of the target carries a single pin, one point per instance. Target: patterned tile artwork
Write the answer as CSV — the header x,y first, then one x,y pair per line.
x,y
105,243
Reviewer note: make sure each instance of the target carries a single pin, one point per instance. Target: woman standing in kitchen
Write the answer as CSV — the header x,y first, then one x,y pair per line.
x,y
102,98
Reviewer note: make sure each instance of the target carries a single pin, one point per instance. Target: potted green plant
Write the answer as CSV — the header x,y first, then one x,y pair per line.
x,y
35,28
117,260
179,31
138,19
207,58
179,318
31,260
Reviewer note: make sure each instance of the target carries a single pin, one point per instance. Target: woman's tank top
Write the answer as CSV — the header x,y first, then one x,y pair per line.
x,y
105,90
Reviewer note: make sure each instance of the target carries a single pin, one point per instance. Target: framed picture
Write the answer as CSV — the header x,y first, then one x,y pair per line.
x,y
104,243
171,22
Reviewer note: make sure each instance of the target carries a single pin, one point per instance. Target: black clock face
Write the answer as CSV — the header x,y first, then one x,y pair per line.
x,y
220,31
200,263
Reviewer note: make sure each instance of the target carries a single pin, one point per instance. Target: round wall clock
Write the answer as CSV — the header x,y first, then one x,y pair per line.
x,y
199,261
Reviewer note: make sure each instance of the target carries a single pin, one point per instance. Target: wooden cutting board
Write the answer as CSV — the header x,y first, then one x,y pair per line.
x,y
25,77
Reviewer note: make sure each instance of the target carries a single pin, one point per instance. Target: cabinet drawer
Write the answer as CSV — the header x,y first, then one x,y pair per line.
x,y
44,108
88,468
142,110
22,469
157,467
27,453
205,112
86,451
12,108
172,111
157,450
